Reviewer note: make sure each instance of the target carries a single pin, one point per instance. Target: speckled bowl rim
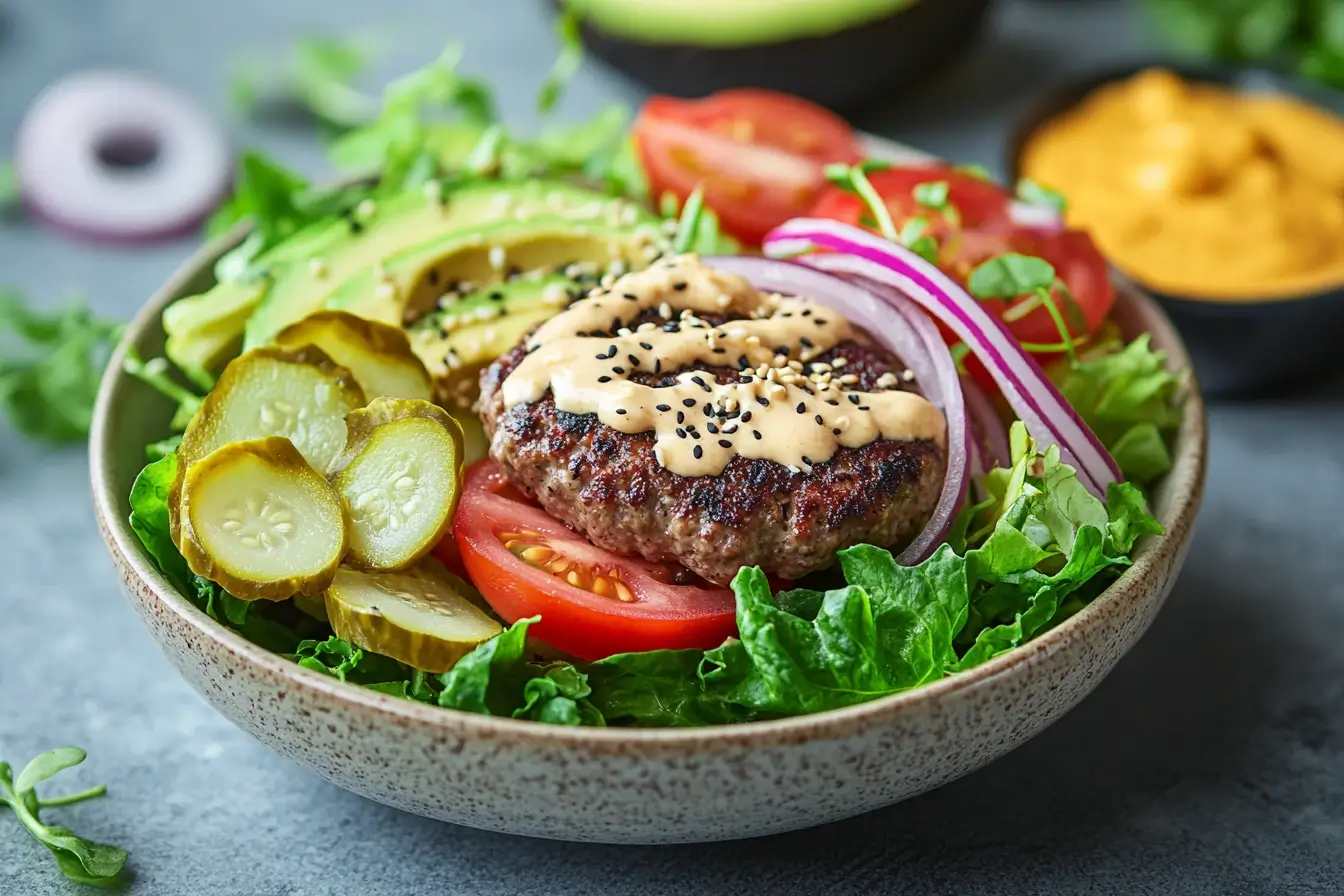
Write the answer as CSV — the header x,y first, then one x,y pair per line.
x,y
1189,459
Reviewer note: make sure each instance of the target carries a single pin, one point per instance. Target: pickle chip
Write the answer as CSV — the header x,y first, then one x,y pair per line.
x,y
301,395
399,475
416,616
378,355
261,522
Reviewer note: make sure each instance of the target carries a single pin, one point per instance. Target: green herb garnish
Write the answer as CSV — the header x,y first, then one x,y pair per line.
x,y
51,366
79,859
1011,275
854,179
1033,193
566,64
932,194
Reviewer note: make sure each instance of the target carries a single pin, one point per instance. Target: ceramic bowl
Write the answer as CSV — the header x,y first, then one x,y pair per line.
x,y
630,785
1252,344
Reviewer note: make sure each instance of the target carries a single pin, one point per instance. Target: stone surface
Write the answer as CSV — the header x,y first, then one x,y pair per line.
x,y
1211,762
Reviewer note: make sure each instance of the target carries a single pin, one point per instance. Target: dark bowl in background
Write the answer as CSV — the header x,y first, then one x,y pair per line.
x,y
844,70
1244,346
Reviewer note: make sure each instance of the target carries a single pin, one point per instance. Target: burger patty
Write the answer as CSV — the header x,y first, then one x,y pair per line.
x,y
609,485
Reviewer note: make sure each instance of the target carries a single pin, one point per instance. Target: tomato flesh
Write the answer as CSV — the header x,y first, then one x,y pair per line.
x,y
592,603
758,154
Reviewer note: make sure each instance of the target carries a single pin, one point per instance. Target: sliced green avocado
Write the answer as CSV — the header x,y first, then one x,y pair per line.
x,y
354,247
405,286
457,342
740,23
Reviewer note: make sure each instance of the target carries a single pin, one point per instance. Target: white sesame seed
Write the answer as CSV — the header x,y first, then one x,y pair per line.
x,y
366,208
555,294
498,258
317,267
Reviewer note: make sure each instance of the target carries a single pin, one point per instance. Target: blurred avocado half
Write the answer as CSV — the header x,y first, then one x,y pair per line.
x,y
839,53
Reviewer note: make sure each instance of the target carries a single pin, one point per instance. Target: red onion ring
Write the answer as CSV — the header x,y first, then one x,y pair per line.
x,y
988,424
116,156
901,327
1032,396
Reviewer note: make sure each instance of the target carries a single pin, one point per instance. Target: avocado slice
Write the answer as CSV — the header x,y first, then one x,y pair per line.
x,y
457,343
344,262
843,54
403,287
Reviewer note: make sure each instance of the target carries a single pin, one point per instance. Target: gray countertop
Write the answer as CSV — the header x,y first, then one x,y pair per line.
x,y
1211,761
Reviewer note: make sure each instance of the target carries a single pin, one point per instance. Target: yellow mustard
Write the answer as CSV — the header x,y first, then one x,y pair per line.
x,y
1199,190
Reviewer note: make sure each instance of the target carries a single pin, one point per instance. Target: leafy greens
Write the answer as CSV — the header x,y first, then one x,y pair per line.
x,y
85,861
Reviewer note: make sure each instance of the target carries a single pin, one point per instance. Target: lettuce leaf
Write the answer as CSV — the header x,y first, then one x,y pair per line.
x,y
1128,397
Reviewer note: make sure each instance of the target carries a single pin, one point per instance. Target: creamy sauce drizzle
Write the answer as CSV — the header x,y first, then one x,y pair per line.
x,y
586,354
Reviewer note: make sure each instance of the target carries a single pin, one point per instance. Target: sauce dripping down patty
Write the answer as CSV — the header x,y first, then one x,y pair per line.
x,y
587,354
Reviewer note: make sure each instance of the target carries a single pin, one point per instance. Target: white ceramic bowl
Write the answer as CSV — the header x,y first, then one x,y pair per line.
x,y
631,785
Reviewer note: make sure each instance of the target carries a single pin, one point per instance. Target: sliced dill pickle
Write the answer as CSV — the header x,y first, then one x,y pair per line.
x,y
314,605
302,395
261,522
399,475
415,616
378,355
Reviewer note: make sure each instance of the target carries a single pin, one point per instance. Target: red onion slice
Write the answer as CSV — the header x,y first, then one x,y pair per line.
x,y
114,155
989,426
1033,397
901,327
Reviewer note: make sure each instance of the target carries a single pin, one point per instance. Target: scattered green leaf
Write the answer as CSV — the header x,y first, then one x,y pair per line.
x,y
1033,193
566,64
85,861
1010,275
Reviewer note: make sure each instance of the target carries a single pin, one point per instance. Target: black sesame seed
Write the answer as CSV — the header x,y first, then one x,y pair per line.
x,y
634,362
742,362
712,428
782,350
805,342
621,411
629,296
604,379
694,434
689,402
863,407
698,452
671,327
681,416
720,351
679,286
835,432
355,226
807,312
833,402
496,296
681,433
821,321
664,407
755,433
619,371
802,407
433,277
698,381
601,356
853,399
724,443
807,461
763,402
746,418
709,408
819,420
646,346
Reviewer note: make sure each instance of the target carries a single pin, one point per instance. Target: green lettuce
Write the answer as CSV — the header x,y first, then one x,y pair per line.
x,y
1128,397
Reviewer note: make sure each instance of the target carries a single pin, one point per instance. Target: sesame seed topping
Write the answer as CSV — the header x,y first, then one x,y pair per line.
x,y
698,452
724,443
664,408
689,402
756,434
604,379
820,422
802,407
620,371
621,411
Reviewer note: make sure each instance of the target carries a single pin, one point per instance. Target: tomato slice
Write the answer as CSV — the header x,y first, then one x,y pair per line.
x,y
592,603
759,154
980,203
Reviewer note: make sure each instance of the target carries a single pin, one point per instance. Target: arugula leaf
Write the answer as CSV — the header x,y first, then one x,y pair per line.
x,y
154,372
149,520
1128,398
50,370
318,74
85,861
566,64
9,185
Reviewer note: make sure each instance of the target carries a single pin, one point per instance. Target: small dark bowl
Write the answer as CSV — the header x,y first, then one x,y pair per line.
x,y
844,70
1244,346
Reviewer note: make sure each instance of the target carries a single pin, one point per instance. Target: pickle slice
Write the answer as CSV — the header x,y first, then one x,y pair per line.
x,y
378,355
261,522
301,395
399,476
415,616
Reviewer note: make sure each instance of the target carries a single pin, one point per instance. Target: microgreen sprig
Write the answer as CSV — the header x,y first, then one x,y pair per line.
x,y
1010,275
79,859
1034,193
854,179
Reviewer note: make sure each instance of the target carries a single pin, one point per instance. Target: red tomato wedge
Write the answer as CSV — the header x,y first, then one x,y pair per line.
x,y
592,603
759,154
